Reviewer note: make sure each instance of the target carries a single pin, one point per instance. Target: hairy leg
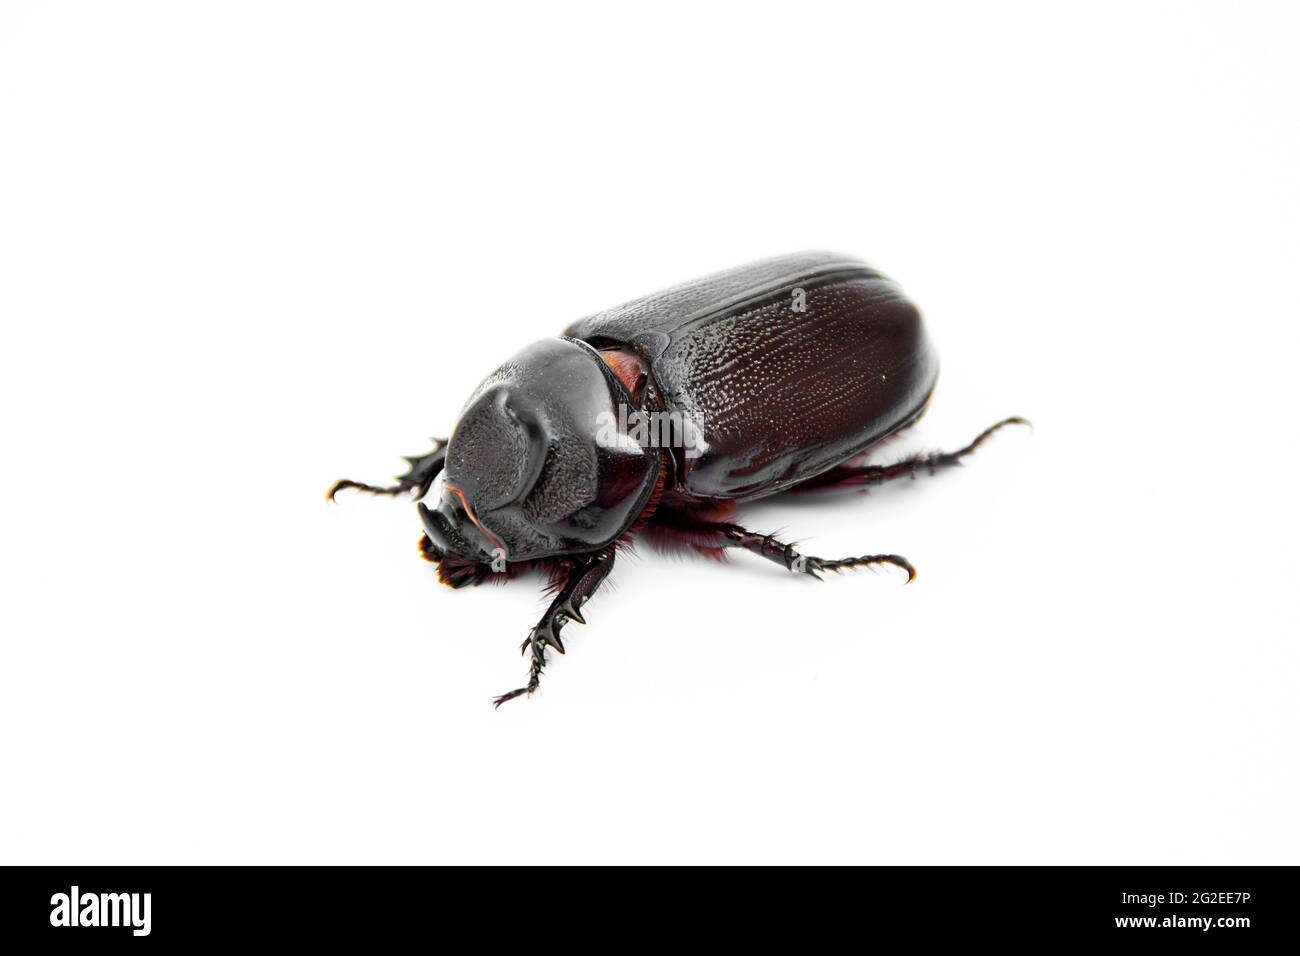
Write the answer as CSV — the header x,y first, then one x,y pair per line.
x,y
707,535
849,474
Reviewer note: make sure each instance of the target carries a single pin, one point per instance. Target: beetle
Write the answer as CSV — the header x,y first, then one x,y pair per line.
x,y
658,417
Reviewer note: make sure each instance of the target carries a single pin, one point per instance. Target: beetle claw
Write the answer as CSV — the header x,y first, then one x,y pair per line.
x,y
534,678
345,483
510,695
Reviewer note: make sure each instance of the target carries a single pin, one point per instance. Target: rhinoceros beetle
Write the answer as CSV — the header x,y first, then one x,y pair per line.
x,y
656,418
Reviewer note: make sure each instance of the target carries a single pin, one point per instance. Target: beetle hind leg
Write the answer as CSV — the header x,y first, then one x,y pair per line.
x,y
848,474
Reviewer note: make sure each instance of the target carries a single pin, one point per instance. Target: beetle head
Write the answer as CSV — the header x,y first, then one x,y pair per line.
x,y
531,472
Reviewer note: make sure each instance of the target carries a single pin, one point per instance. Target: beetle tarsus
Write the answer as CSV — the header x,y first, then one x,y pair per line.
x,y
767,546
947,459
812,565
344,484
581,579
534,678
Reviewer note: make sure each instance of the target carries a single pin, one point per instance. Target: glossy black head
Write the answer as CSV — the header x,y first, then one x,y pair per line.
x,y
536,466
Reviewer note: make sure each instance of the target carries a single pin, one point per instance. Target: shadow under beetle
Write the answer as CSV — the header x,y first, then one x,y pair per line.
x,y
773,377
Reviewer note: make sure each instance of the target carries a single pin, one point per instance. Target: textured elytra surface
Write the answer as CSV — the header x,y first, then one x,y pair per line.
x,y
781,396
781,389
666,311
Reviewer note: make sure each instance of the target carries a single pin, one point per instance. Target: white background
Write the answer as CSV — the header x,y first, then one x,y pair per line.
x,y
246,249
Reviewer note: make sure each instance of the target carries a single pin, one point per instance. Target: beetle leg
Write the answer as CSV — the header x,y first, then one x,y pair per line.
x,y
907,467
767,546
581,580
710,536
424,469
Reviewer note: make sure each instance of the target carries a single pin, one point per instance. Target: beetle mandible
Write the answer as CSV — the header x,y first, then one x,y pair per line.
x,y
656,418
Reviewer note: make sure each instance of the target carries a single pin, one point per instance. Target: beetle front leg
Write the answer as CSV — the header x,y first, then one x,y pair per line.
x,y
583,577
424,469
